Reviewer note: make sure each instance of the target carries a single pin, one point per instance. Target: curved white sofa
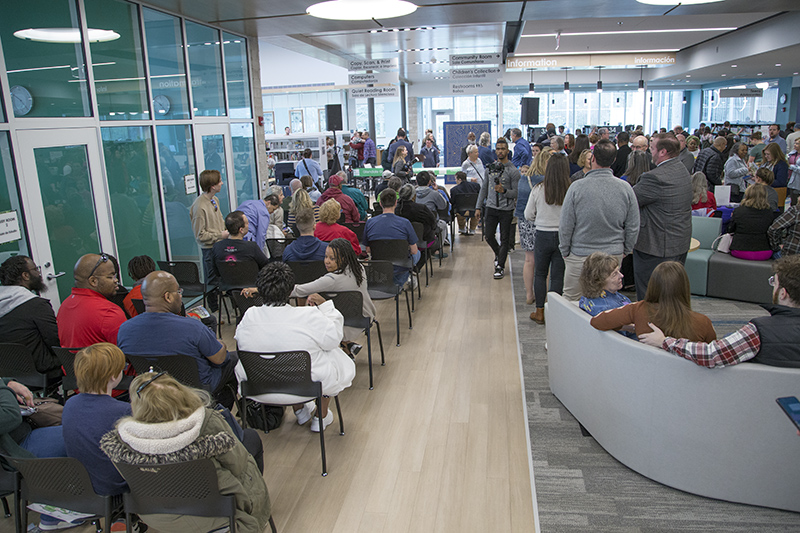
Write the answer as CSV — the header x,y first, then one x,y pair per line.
x,y
713,432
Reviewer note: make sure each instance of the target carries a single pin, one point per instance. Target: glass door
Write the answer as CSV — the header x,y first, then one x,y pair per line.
x,y
215,152
64,199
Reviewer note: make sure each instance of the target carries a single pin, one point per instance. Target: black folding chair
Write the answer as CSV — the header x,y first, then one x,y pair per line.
x,y
444,214
66,357
181,367
243,303
233,275
422,244
188,276
381,286
357,228
187,488
351,305
9,484
464,205
307,271
16,361
138,305
276,247
62,482
284,373
396,252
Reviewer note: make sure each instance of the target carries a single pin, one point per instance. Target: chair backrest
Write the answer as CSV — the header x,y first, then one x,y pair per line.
x,y
66,356
705,230
186,273
138,305
243,303
393,250
187,488
278,372
357,228
351,305
380,277
464,202
781,197
276,247
60,481
419,229
181,367
237,274
307,271
16,361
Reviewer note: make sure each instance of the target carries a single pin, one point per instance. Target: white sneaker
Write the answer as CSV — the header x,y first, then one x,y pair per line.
x,y
326,421
304,414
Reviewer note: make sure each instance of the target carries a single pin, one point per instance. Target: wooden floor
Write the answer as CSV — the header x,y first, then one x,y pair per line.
x,y
440,444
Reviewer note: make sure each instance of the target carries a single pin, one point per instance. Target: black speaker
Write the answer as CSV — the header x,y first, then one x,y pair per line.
x,y
333,117
530,111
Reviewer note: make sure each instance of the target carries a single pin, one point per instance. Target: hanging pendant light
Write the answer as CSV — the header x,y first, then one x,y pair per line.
x,y
566,81
361,9
599,79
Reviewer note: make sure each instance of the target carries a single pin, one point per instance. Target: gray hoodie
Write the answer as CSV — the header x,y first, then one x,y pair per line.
x,y
13,296
433,200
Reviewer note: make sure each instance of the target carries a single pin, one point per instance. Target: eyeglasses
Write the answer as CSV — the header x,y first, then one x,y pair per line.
x,y
179,291
148,382
103,259
771,281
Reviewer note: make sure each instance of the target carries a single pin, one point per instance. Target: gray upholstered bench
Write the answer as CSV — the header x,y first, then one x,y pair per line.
x,y
739,279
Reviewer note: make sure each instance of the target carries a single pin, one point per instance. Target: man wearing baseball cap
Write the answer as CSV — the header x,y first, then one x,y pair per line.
x,y
335,191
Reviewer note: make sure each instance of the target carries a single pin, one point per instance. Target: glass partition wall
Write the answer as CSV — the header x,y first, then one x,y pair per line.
x,y
134,80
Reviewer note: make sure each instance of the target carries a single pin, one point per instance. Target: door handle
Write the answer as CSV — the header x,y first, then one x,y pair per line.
x,y
51,277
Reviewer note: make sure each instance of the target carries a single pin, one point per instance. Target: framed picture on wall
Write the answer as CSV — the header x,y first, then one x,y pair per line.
x,y
269,122
296,120
323,124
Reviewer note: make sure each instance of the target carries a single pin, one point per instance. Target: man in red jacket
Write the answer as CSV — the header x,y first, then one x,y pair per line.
x,y
334,191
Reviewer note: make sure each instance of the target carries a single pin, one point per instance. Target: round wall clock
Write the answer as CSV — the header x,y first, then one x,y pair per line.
x,y
22,100
161,104
783,98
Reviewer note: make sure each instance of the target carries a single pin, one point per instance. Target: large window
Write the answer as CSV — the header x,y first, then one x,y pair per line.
x,y
761,110
311,103
167,66
237,75
205,67
176,157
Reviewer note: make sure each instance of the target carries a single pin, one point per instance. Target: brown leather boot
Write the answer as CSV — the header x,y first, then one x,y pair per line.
x,y
538,315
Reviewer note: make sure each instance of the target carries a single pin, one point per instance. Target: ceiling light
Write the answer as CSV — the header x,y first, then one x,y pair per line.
x,y
763,85
688,75
777,64
760,74
599,86
65,35
795,73
672,2
724,75
566,87
361,9
531,89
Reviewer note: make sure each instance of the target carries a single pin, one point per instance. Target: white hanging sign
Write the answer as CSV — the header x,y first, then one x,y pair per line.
x,y
476,87
374,78
390,91
9,227
491,73
190,183
374,64
458,60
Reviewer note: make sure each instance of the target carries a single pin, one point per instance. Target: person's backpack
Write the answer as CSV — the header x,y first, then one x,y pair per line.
x,y
271,418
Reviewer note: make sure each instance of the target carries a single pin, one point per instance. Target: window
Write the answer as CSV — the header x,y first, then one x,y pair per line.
x,y
167,69
205,68
740,110
236,75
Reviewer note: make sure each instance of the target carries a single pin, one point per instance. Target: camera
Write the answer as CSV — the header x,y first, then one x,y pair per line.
x,y
496,166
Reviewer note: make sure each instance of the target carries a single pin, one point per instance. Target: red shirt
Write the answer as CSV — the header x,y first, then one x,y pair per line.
x,y
134,294
710,202
328,232
87,317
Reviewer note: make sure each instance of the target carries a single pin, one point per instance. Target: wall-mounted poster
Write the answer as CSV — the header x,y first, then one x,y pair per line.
x,y
296,120
269,122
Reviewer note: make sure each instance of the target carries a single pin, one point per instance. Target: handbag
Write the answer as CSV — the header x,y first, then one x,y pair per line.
x,y
48,413
723,243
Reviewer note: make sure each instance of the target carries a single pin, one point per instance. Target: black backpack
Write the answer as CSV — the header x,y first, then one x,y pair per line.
x,y
263,417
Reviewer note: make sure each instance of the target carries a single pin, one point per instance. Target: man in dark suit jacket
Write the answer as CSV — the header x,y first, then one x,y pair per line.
x,y
664,195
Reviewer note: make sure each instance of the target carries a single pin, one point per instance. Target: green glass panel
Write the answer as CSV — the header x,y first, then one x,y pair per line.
x,y
69,214
167,68
236,75
214,155
118,65
176,158
9,199
46,79
135,206
244,166
205,66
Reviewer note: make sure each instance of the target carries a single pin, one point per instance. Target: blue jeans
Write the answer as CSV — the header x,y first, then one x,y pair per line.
x,y
547,256
45,442
401,275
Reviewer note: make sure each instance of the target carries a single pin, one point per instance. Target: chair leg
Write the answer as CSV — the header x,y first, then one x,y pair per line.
x,y
427,254
219,313
272,525
369,355
6,510
409,312
397,314
243,412
339,412
380,342
412,290
321,436
23,514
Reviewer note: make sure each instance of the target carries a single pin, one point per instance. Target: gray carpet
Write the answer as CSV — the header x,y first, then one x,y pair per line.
x,y
581,488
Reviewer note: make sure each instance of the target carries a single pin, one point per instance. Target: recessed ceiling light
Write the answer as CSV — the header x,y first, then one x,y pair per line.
x,y
777,64
724,75
688,75
734,66
760,74
361,9
795,73
65,35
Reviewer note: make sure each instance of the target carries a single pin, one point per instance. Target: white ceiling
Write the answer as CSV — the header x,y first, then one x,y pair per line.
x,y
471,26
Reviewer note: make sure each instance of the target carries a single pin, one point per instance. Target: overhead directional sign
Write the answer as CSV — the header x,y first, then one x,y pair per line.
x,y
591,60
741,93
374,64
489,73
458,60
392,91
476,87
374,78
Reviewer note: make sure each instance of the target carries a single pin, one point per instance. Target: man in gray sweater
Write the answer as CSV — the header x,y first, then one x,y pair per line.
x,y
499,189
600,214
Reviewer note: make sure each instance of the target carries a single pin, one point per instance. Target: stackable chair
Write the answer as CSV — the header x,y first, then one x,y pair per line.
x,y
188,277
381,286
233,275
16,361
181,367
396,252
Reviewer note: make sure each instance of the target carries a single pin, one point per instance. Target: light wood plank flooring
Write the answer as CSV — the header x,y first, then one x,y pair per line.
x,y
440,443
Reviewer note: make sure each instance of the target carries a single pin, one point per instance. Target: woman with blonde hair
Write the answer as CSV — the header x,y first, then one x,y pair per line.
x,y
749,224
400,167
638,164
703,200
584,163
328,227
667,304
172,423
601,280
301,200
527,231
775,160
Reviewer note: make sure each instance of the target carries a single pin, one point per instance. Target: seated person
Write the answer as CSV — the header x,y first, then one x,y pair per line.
x,y
428,196
306,247
667,304
235,249
389,226
408,208
764,176
301,200
387,175
464,186
25,318
703,200
258,213
772,340
172,423
784,233
334,191
601,281
749,224
310,188
277,217
138,267
277,326
161,331
345,273
329,228
87,316
356,195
